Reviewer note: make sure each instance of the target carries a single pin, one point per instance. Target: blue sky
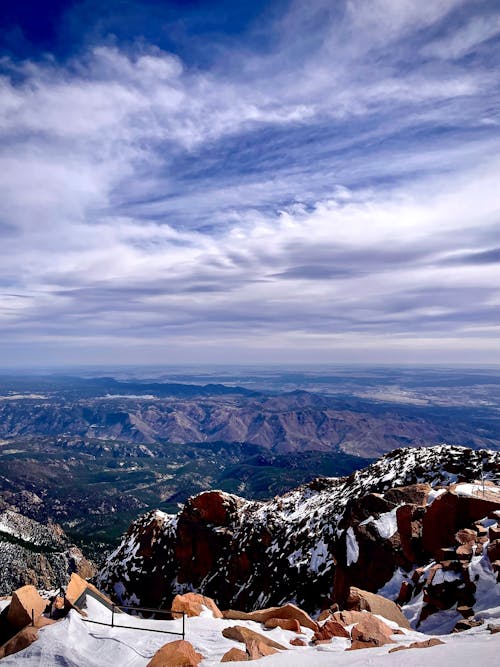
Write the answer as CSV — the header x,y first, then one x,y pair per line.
x,y
237,182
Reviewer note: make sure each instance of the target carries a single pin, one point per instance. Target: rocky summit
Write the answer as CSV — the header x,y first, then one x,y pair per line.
x,y
417,525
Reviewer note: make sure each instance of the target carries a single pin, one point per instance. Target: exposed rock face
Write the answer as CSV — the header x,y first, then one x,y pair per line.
x,y
315,543
32,553
176,654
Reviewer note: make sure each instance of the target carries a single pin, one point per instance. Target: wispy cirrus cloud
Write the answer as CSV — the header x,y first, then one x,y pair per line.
x,y
322,197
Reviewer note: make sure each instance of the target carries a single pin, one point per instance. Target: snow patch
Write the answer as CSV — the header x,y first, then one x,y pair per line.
x,y
352,547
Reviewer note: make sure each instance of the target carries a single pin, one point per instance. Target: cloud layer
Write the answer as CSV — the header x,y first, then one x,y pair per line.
x,y
331,197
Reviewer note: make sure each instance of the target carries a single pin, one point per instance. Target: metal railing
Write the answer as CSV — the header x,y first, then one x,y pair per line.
x,y
117,609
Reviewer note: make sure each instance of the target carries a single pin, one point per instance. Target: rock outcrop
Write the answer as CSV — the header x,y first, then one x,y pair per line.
x,y
412,522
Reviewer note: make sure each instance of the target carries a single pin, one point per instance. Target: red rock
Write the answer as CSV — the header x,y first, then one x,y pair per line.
x,y
283,623
192,604
409,523
448,514
256,649
241,634
235,655
465,536
427,643
494,533
25,602
331,629
297,641
176,654
368,632
19,641
494,550
363,600
261,615
355,617
405,592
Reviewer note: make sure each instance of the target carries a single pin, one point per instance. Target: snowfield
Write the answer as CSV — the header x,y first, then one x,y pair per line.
x,y
74,642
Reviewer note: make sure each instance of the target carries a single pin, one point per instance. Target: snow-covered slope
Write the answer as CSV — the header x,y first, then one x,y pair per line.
x,y
74,642
307,545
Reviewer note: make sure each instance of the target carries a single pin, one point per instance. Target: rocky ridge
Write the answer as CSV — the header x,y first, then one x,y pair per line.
x,y
388,527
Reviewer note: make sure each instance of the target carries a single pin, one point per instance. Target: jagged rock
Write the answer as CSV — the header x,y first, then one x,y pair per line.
x,y
241,634
256,649
329,629
284,623
192,604
359,600
19,641
235,655
262,615
176,654
427,643
26,604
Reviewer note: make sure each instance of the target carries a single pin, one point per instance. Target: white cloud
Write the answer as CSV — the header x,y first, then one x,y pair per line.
x,y
298,200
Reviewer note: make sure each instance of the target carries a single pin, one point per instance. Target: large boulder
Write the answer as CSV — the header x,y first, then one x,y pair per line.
x,y
77,586
25,605
241,634
346,618
359,600
176,654
367,634
192,604
262,615
19,641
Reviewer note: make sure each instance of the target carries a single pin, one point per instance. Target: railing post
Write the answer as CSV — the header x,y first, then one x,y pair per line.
x,y
112,615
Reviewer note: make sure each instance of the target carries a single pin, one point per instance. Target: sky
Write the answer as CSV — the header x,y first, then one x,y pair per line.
x,y
249,182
